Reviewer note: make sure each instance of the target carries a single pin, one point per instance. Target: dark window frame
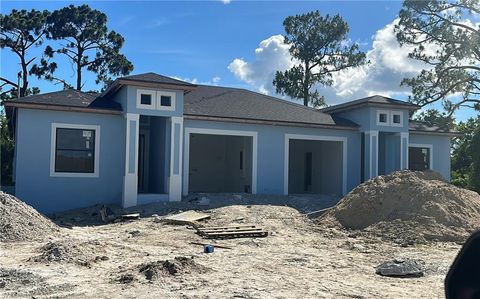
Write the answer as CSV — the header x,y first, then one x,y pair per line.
x,y
150,102
169,100
380,118
399,119
426,165
66,149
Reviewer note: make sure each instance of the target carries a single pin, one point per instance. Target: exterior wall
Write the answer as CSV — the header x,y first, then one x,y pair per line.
x,y
440,151
366,118
127,97
50,194
271,153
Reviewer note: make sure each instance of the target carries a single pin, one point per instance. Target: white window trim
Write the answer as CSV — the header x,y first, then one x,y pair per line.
x,y
429,146
152,93
395,112
387,113
172,99
96,157
186,153
288,137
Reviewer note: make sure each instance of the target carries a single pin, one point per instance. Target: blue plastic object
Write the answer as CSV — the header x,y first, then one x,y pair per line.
x,y
208,248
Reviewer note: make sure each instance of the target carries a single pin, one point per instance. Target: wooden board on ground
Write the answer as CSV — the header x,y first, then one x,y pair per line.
x,y
188,217
233,231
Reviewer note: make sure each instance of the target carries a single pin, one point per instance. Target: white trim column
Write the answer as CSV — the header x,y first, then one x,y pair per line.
x,y
371,151
404,150
130,180
176,150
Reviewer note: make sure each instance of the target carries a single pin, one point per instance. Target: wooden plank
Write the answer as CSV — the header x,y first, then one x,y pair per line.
x,y
214,245
231,235
227,227
187,217
230,230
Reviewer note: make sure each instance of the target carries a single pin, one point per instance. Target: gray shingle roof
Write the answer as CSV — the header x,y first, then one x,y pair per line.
x,y
372,100
70,98
214,101
155,78
415,125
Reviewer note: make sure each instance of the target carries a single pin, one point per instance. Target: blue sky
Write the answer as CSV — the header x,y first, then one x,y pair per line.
x,y
215,43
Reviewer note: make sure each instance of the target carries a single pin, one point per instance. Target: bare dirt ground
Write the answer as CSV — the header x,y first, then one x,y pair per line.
x,y
146,258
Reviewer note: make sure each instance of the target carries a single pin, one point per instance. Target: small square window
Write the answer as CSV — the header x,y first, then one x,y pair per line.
x,y
166,101
382,118
146,99
396,118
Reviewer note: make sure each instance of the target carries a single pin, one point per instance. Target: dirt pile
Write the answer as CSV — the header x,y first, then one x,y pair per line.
x,y
71,252
178,266
21,222
20,283
409,207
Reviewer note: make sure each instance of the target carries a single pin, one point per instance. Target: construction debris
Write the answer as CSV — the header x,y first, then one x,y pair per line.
x,y
217,246
401,268
128,217
188,217
106,214
231,232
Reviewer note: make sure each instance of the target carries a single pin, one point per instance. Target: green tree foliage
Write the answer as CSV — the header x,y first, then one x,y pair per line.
x,y
475,153
444,39
465,155
86,42
319,48
19,32
433,117
6,148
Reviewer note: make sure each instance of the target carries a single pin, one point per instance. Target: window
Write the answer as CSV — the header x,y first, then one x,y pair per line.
x,y
419,158
165,101
396,119
383,118
74,150
146,99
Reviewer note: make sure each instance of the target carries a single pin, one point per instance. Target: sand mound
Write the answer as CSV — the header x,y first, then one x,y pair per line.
x,y
21,222
178,266
409,207
70,252
22,284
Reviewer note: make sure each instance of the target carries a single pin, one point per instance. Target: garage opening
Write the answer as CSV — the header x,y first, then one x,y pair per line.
x,y
220,163
315,167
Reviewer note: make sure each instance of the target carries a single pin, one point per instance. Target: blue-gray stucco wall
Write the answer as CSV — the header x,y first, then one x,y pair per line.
x,y
271,150
34,184
366,118
127,97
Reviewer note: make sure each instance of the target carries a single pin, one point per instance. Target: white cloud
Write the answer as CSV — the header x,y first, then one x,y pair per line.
x,y
226,1
271,55
389,64
214,81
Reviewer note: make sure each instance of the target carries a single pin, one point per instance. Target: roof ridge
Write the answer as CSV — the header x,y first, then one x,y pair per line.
x,y
269,97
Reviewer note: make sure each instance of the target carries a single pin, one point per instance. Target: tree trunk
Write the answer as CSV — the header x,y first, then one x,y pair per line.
x,y
79,68
23,89
79,75
306,82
